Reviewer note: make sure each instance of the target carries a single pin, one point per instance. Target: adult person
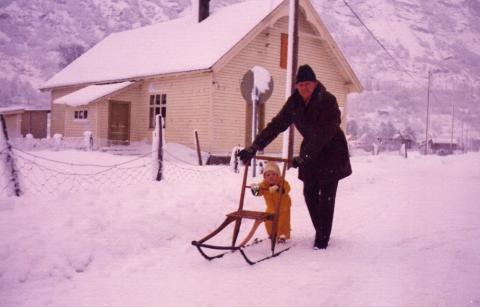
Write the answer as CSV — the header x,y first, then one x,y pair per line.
x,y
324,157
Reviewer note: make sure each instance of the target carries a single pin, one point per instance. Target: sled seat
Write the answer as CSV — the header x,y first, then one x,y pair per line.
x,y
253,215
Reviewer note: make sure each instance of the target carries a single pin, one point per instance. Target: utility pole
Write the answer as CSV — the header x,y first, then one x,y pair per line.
x,y
294,70
466,138
292,63
430,72
428,111
453,120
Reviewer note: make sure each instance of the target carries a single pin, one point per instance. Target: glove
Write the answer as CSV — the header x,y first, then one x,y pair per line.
x,y
247,154
255,188
273,188
297,161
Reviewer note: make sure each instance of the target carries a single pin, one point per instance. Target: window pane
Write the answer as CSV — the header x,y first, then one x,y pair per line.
x,y
164,99
75,114
86,114
164,112
157,110
157,99
152,97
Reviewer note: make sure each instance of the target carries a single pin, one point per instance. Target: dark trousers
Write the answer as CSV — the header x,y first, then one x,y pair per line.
x,y
320,199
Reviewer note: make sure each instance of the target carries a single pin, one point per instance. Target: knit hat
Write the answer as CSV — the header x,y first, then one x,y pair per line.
x,y
272,167
305,73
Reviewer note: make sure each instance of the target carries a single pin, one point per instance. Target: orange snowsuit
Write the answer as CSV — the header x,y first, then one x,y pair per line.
x,y
271,200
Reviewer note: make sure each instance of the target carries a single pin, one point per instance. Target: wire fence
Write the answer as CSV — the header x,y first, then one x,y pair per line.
x,y
63,165
38,173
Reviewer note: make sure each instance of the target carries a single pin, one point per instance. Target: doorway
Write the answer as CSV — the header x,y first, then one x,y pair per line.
x,y
119,123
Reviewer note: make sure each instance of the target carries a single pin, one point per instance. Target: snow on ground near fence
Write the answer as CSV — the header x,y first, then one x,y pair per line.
x,y
406,233
70,171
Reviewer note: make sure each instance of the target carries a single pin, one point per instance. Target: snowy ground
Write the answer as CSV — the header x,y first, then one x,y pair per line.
x,y
406,233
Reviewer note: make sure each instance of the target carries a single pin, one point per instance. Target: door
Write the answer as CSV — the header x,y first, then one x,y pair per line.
x,y
119,123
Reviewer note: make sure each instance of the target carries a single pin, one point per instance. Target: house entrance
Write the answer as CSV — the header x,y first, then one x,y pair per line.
x,y
119,123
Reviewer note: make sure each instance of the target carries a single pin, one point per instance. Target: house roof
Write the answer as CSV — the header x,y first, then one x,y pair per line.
x,y
178,45
183,45
91,93
14,109
444,141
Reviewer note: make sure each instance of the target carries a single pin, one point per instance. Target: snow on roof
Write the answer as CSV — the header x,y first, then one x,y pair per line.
x,y
22,108
11,109
444,141
37,108
174,46
90,93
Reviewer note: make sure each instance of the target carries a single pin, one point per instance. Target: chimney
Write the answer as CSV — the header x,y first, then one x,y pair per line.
x,y
203,9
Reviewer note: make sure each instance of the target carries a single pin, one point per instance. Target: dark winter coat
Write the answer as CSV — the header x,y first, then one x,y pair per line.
x,y
324,148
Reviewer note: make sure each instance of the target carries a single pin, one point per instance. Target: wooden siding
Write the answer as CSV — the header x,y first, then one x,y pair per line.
x,y
76,127
229,108
188,108
101,121
35,123
58,110
13,123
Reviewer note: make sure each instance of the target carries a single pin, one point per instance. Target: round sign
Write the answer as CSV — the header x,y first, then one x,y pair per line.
x,y
256,85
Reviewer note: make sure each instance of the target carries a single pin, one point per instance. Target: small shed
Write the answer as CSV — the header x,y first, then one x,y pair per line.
x,y
443,146
22,120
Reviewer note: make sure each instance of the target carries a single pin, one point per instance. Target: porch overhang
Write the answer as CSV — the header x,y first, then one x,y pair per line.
x,y
91,93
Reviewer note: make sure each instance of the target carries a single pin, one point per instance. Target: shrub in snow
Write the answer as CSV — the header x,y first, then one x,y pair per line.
x,y
88,140
57,141
29,141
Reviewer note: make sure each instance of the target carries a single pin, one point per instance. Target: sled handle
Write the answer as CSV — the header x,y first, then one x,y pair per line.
x,y
267,158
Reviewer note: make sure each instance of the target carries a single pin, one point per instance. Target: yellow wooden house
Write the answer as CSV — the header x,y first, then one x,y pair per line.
x,y
190,71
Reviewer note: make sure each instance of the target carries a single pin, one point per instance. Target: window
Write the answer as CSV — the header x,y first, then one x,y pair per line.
x,y
283,50
80,115
158,105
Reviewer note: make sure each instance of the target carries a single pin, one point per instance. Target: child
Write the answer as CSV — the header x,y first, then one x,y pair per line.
x,y
270,189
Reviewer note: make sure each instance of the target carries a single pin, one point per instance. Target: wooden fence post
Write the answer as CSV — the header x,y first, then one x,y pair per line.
x,y
234,159
9,161
159,130
197,144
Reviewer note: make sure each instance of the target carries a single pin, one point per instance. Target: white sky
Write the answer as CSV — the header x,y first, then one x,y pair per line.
x,y
405,233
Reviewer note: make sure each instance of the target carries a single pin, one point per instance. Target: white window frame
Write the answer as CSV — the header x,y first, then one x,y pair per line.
x,y
80,115
157,105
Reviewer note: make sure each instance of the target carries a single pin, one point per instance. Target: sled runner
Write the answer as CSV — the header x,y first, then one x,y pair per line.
x,y
236,217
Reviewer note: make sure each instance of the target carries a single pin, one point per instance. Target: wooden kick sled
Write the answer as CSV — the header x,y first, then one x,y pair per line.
x,y
236,217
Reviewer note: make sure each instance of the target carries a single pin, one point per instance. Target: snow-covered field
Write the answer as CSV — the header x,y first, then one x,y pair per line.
x,y
406,233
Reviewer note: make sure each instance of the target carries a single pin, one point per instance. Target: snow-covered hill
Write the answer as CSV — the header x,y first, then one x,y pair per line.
x,y
393,45
39,37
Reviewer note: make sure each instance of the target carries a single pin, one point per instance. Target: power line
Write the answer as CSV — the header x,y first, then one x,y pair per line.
x,y
379,42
